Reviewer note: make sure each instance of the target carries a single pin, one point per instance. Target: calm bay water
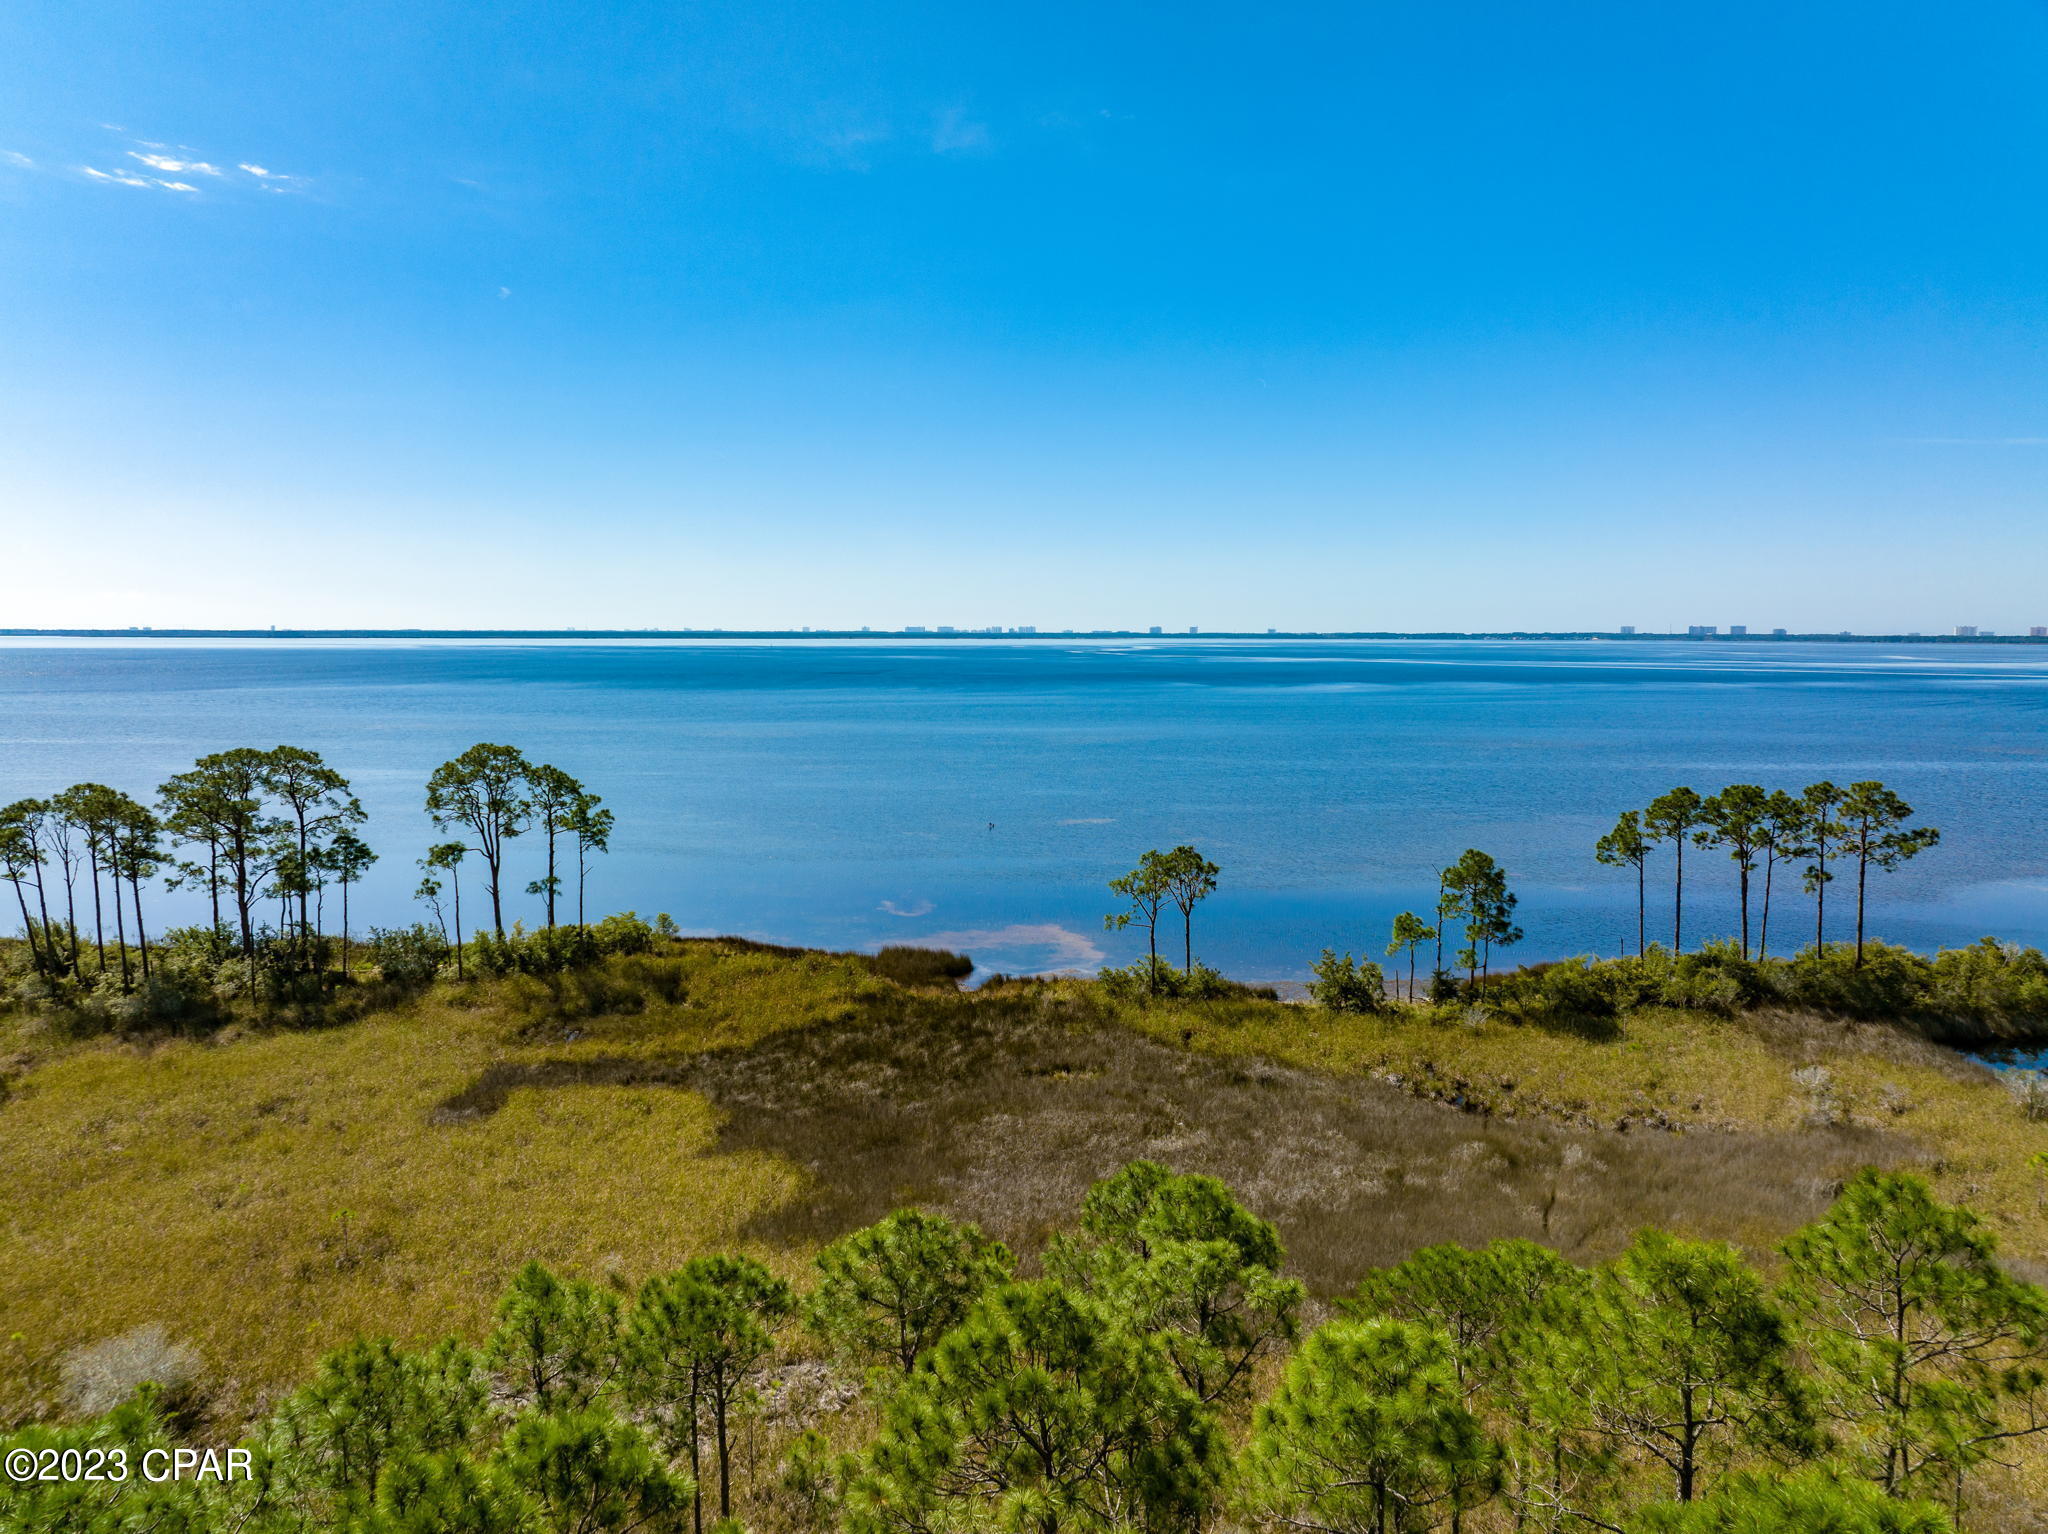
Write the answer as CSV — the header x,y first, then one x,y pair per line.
x,y
979,795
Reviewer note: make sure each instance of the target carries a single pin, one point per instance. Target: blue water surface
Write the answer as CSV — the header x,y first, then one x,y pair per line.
x,y
980,794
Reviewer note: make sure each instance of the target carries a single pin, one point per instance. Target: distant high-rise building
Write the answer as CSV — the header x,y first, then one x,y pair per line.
x,y
1738,630
1701,630
1272,631
1156,629
914,628
1628,628
1966,631
2038,631
1777,633
945,628
1193,630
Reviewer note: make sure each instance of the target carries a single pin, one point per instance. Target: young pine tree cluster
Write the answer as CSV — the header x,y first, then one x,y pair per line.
x,y
1817,833
1153,1378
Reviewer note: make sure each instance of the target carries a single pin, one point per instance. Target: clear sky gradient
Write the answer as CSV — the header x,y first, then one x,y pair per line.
x,y
1374,315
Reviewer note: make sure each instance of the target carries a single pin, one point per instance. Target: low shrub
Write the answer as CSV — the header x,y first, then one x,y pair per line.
x,y
921,966
1344,985
557,950
1148,980
408,957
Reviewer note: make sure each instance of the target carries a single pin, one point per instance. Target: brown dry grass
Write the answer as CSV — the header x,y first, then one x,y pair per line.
x,y
264,1196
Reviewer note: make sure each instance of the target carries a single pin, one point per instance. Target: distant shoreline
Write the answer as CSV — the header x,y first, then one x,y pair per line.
x,y
586,635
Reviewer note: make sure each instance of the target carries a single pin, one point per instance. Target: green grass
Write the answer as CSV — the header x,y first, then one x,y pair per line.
x,y
264,1195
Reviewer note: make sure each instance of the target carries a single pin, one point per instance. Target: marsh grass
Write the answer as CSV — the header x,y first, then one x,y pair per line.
x,y
1005,1113
262,1195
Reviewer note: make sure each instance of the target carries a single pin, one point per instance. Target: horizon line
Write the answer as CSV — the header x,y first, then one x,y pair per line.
x,y
274,632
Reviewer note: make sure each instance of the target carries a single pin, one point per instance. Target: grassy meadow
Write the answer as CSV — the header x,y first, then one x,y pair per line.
x,y
263,1195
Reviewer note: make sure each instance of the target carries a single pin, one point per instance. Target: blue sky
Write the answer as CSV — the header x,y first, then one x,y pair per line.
x,y
1374,315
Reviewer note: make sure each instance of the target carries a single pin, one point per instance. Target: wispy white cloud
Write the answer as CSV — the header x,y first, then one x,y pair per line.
x,y
14,157
126,178
954,132
172,166
920,908
844,144
121,176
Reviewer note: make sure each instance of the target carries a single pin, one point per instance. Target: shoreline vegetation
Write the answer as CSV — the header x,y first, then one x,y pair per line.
x,y
592,1226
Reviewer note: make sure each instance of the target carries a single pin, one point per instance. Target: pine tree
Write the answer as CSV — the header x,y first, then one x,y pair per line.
x,y
368,1407
556,1343
589,1473
1181,1260
887,1293
1410,932
1738,818
1812,1502
1478,1299
1682,1356
482,790
1043,1412
1367,1434
1626,847
1928,1348
1875,834
1672,818
693,1344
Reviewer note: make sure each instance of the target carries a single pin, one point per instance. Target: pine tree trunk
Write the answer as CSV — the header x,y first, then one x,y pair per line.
x,y
696,1462
1763,932
121,932
1678,900
141,932
551,875
1820,905
43,909
28,926
1862,874
1744,875
99,921
724,1457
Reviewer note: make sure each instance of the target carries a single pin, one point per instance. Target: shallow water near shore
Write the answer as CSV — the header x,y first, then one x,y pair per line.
x,y
978,795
